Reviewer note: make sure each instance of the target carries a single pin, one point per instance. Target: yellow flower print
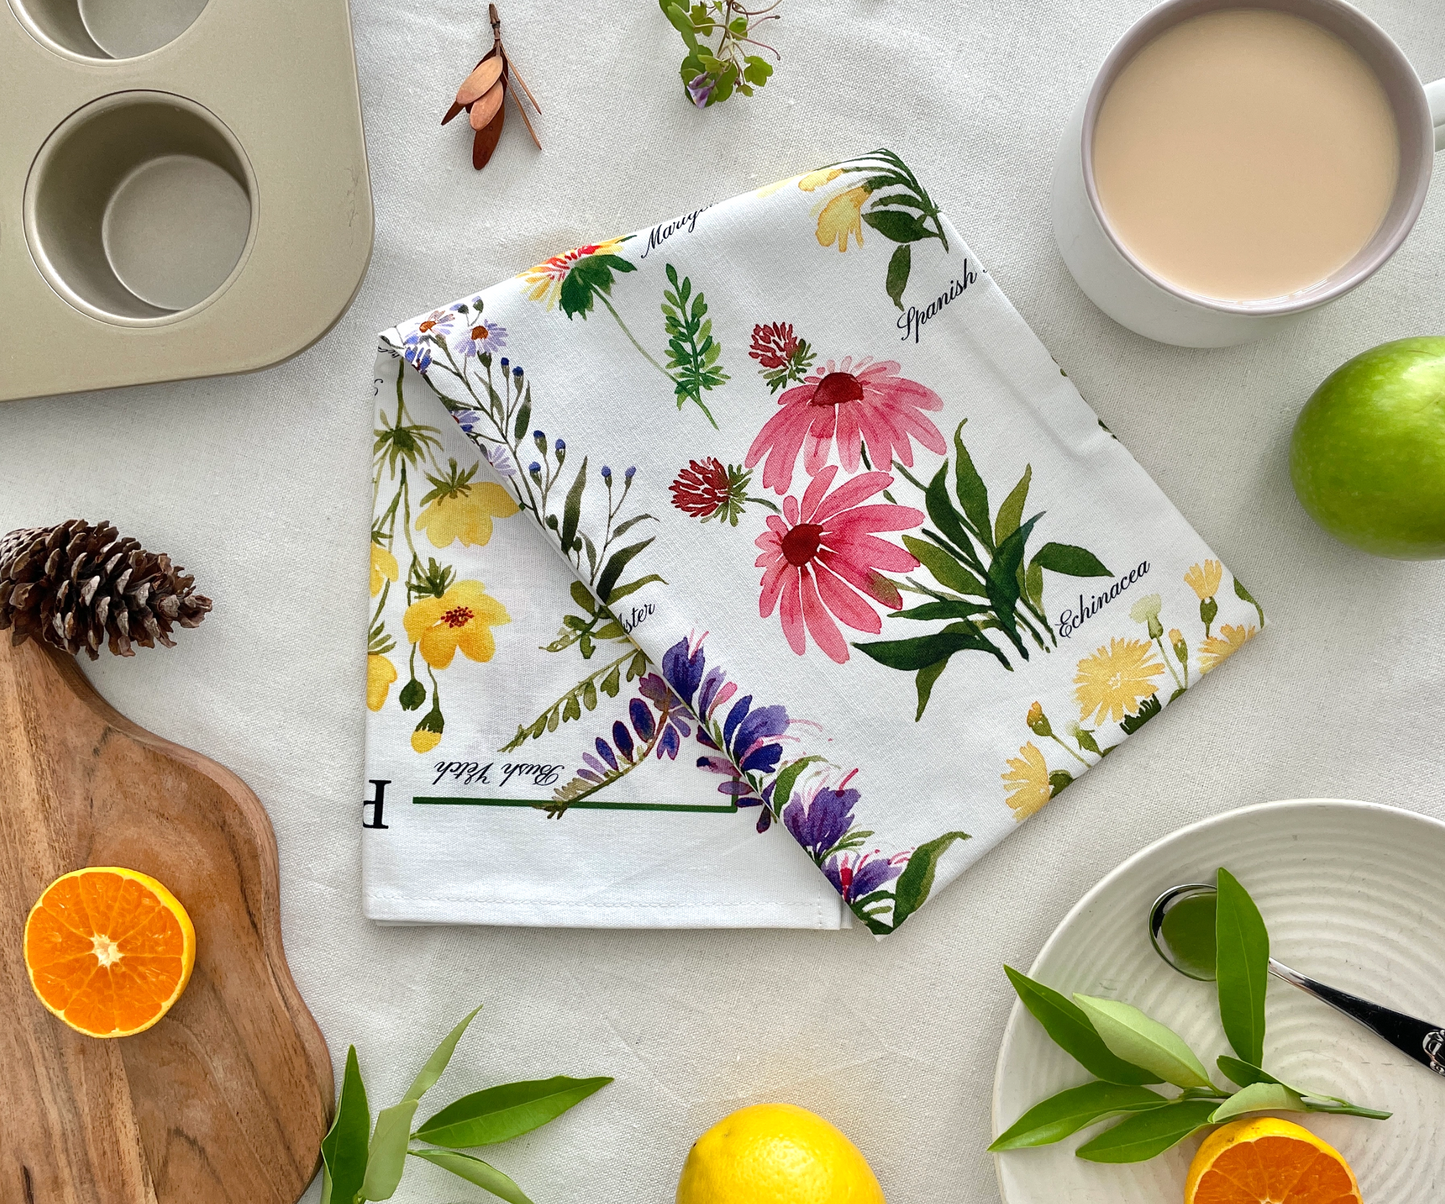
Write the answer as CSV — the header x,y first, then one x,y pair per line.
x,y
1027,782
814,180
461,618
842,216
424,740
544,282
466,515
383,564
1203,579
380,673
1219,648
1114,680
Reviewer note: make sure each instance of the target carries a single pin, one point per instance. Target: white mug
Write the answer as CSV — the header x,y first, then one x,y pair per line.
x,y
1146,303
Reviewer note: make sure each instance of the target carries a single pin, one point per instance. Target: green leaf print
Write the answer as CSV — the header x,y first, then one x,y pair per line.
x,y
693,353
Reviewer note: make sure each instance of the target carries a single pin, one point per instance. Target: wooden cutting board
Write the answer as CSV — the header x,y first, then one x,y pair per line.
x,y
225,1101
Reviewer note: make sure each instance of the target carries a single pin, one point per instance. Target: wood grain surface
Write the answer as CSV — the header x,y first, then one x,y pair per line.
x,y
227,1098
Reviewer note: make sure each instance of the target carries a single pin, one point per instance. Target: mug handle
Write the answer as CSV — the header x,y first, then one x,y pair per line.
x,y
1435,94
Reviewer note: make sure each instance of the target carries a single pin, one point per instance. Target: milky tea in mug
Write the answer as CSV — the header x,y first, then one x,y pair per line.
x,y
1245,154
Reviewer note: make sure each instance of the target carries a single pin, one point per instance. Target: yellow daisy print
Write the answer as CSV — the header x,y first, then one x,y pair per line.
x,y
842,216
1219,648
380,673
1114,680
383,566
815,180
1204,578
461,618
466,515
544,282
1027,782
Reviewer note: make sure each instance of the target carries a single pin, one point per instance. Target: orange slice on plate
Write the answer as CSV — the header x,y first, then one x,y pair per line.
x,y
1269,1161
109,950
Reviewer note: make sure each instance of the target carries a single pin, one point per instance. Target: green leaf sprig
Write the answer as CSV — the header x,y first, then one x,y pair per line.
x,y
713,72
986,580
1127,1052
361,1162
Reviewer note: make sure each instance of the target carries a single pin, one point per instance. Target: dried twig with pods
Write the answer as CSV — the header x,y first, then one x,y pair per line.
x,y
483,95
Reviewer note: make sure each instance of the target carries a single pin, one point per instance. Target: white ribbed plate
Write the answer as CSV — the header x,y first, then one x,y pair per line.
x,y
1354,894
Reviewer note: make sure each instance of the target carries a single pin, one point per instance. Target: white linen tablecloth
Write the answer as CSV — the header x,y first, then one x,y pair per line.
x,y
251,483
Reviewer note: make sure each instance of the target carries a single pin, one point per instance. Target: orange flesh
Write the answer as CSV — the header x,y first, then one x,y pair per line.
x,y
105,953
1276,1170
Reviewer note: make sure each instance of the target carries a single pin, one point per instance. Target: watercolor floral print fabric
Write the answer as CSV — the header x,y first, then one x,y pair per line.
x,y
900,585
498,693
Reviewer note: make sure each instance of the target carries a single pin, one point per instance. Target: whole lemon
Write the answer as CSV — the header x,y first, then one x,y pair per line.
x,y
776,1154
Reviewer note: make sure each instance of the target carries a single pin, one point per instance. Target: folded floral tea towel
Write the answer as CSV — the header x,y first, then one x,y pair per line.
x,y
479,707
899,580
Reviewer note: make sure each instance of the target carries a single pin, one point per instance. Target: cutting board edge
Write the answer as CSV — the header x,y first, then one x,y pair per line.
x,y
255,815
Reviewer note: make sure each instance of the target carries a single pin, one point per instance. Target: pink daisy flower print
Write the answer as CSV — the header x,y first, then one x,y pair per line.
x,y
846,405
823,562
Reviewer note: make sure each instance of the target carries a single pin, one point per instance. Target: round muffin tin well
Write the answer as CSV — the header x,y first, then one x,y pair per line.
x,y
140,207
108,29
183,186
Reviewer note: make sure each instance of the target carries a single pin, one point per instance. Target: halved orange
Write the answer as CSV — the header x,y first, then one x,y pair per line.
x,y
109,950
1269,1161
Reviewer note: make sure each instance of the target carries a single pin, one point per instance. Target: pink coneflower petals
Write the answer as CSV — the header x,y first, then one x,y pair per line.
x,y
823,563
846,406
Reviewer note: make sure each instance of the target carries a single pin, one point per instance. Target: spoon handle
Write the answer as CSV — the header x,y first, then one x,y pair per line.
x,y
1423,1041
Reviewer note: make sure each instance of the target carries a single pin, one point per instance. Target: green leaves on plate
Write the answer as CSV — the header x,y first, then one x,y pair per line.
x,y
501,1113
1060,1115
1246,1076
1124,1049
1241,967
357,1169
1259,1097
1071,1031
1139,1138
1134,1037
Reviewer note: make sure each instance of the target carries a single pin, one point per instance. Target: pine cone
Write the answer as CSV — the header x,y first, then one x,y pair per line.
x,y
74,585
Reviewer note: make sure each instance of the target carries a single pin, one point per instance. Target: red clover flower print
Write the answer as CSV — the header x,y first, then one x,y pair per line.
x,y
783,356
773,344
702,488
822,560
846,404
708,489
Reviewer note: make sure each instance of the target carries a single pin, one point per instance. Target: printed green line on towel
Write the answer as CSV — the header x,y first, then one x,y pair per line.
x,y
445,801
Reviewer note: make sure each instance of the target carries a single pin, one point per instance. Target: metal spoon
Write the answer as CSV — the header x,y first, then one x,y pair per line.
x,y
1421,1040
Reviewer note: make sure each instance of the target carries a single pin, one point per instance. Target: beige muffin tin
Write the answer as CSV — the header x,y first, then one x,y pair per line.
x,y
183,187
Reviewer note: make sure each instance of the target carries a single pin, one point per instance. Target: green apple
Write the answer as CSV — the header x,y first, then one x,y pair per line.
x,y
1368,452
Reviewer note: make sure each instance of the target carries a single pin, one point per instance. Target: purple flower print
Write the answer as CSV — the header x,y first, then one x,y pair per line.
x,y
488,337
499,460
820,823
684,670
416,350
675,726
855,876
749,734
438,320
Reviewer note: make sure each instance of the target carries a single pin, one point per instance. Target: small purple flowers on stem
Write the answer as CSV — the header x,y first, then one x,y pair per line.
x,y
699,88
